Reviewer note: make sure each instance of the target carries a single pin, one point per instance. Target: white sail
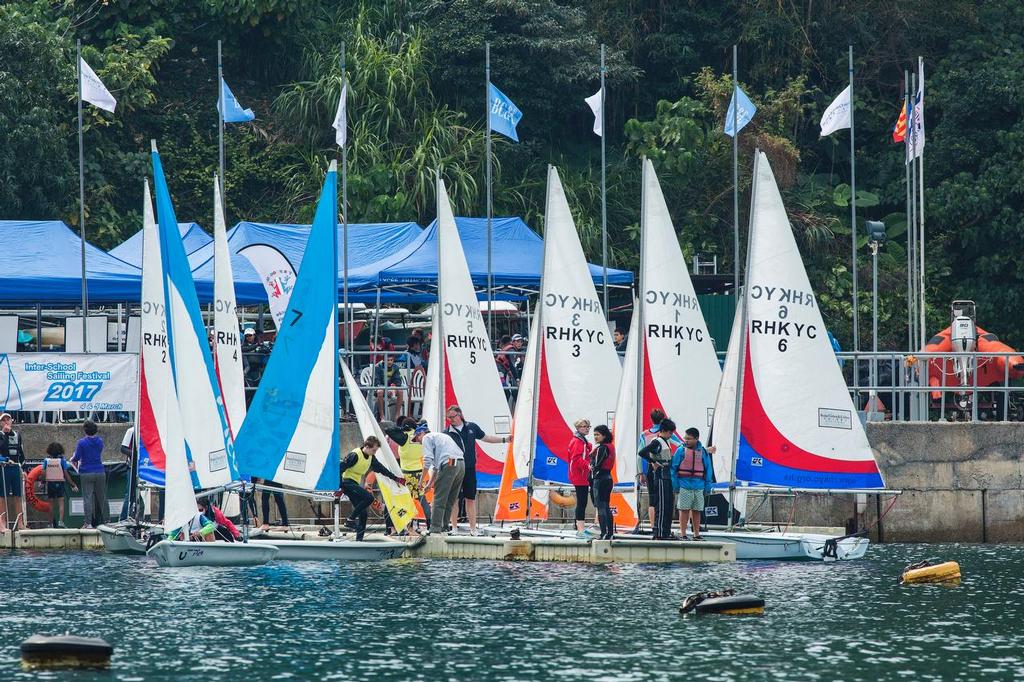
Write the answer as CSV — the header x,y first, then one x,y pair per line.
x,y
799,427
432,390
471,379
160,426
227,340
397,497
724,422
580,370
627,418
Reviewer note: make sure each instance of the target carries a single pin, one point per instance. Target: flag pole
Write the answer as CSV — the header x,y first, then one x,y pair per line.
x,y
81,205
853,228
344,211
604,202
920,194
909,229
490,206
220,120
735,183
913,212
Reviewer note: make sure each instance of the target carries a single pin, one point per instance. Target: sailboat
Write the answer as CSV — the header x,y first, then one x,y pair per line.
x,y
572,370
154,373
784,418
291,434
670,361
227,343
195,432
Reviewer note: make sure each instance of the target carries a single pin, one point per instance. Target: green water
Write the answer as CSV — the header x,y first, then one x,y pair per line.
x,y
473,620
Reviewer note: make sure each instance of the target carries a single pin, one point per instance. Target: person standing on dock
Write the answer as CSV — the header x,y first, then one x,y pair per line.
x,y
12,456
443,461
657,416
579,472
354,467
691,481
55,470
658,454
466,434
410,459
602,462
88,458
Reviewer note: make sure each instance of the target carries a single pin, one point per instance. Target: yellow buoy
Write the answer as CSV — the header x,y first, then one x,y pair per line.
x,y
948,572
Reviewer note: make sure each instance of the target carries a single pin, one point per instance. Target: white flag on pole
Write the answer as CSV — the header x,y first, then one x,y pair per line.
x,y
595,104
837,116
94,91
341,119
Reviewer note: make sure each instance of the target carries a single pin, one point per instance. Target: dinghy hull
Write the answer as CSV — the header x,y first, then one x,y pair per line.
x,y
335,550
174,554
120,540
788,546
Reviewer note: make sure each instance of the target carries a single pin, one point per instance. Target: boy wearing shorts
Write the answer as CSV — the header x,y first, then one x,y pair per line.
x,y
692,476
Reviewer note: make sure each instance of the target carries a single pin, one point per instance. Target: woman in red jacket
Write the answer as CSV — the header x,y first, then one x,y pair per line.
x,y
602,462
579,471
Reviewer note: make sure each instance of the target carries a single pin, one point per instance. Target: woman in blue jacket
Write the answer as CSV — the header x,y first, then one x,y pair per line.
x,y
692,476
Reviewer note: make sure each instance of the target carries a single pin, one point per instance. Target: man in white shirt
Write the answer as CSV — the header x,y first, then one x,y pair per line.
x,y
443,461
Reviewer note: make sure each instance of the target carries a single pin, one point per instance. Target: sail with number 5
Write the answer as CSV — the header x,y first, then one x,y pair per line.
x,y
797,425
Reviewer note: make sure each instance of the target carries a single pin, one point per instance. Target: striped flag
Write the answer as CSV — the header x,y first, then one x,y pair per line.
x,y
899,133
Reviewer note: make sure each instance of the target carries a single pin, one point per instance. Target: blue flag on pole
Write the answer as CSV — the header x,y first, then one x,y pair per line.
x,y
503,114
743,115
233,111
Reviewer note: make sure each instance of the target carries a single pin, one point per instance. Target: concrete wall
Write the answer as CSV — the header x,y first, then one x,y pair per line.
x,y
962,482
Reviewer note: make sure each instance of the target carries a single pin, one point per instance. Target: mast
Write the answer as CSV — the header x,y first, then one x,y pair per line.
x,y
539,313
490,204
133,473
442,407
641,327
81,207
604,201
741,360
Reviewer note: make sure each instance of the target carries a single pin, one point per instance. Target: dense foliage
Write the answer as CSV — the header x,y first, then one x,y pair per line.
x,y
416,73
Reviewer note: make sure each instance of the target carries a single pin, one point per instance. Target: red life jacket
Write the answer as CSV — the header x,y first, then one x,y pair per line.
x,y
691,465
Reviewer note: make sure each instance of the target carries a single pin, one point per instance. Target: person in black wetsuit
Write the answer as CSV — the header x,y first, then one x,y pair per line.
x,y
602,462
354,467
658,454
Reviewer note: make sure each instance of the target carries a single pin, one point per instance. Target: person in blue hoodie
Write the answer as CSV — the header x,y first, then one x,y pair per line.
x,y
692,476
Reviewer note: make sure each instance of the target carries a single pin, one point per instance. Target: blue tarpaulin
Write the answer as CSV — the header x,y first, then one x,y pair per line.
x,y
367,243
517,256
43,264
192,236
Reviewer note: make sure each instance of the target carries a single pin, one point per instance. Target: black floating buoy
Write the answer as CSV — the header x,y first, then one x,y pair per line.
x,y
65,651
725,602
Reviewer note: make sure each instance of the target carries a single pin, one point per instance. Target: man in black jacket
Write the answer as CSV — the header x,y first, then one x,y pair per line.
x,y
12,456
658,454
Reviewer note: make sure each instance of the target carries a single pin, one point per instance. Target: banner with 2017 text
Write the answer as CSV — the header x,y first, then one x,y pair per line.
x,y
69,381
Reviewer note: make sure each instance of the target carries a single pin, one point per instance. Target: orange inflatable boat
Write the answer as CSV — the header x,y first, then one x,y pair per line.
x,y
991,371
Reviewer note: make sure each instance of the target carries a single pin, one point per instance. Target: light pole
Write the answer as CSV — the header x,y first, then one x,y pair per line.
x,y
876,237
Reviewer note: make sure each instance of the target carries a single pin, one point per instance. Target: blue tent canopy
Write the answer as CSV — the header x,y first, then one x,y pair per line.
x,y
130,250
367,243
45,266
516,259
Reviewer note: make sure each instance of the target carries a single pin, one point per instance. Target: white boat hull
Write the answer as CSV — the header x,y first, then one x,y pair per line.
x,y
335,550
120,540
793,546
174,554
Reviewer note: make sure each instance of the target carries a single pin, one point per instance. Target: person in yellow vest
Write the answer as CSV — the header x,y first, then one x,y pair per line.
x,y
410,458
55,469
354,467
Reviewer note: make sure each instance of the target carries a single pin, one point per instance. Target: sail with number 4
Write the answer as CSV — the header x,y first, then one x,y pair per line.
x,y
797,424
227,342
470,374
575,372
291,434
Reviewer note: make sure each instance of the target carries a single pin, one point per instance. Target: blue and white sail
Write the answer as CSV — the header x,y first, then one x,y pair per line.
x,y
200,403
291,432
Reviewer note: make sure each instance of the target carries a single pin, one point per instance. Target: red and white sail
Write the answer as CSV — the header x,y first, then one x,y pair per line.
x,y
627,418
470,373
798,424
722,435
680,368
432,411
227,340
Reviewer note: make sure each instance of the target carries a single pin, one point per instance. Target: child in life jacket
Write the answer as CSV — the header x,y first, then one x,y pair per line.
x,y
55,471
692,476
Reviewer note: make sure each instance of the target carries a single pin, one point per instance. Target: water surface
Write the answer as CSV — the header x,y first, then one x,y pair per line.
x,y
433,619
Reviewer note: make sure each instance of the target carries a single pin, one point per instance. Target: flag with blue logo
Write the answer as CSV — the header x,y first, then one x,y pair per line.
x,y
233,111
503,114
744,113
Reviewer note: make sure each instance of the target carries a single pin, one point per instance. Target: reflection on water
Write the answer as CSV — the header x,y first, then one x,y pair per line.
x,y
472,619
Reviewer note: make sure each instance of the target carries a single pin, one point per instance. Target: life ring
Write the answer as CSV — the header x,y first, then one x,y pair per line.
x,y
30,490
562,500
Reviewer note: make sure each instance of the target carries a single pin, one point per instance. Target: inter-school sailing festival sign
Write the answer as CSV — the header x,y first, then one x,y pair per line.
x,y
67,381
